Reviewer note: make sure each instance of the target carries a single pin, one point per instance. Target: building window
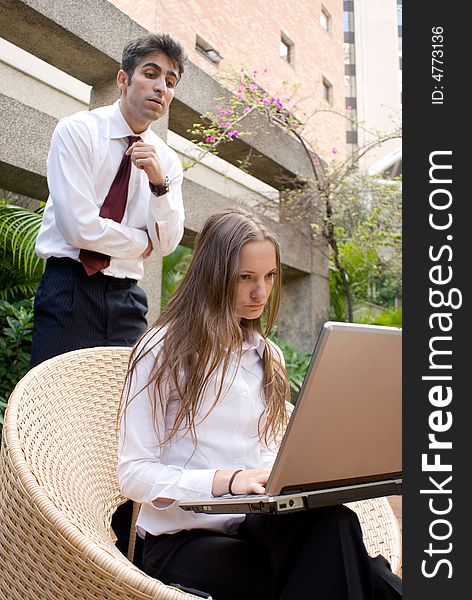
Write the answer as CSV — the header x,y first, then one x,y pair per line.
x,y
350,86
286,49
348,21
327,91
351,101
350,69
349,54
325,19
349,37
206,50
351,137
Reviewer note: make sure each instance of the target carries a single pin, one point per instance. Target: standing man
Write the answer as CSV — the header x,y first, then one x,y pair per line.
x,y
115,196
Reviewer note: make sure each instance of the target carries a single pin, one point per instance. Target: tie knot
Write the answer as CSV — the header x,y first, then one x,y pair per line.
x,y
132,139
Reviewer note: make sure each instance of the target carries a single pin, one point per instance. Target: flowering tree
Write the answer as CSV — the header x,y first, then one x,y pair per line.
x,y
368,234
348,204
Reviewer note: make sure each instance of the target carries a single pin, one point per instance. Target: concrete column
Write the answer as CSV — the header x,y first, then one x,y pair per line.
x,y
104,93
305,303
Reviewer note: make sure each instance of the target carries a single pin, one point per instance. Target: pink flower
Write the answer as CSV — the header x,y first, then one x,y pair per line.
x,y
334,150
225,124
210,138
233,134
246,109
253,87
348,107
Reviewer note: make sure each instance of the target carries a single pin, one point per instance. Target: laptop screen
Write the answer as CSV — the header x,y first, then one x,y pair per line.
x,y
346,425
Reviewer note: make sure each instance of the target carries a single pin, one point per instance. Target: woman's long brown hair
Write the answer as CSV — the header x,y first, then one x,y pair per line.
x,y
198,331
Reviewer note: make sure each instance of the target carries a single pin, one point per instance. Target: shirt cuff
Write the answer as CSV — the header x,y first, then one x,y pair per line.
x,y
193,484
167,213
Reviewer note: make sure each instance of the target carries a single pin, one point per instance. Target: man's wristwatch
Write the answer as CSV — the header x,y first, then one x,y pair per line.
x,y
160,190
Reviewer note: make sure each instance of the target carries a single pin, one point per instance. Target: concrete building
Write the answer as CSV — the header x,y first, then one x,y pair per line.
x,y
84,42
373,69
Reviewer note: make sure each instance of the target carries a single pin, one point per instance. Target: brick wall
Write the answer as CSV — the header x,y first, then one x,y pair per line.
x,y
248,32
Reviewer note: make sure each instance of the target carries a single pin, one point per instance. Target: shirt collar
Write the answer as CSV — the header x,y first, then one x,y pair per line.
x,y
119,128
253,341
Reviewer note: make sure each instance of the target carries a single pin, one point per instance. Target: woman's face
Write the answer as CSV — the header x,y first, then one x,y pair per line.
x,y
257,271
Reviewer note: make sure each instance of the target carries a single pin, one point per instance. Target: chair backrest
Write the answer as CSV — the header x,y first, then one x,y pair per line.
x,y
58,487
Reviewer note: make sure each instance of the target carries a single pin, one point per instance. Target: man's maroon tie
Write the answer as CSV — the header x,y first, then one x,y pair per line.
x,y
113,208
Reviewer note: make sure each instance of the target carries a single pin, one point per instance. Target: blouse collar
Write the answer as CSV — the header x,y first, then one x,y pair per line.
x,y
253,340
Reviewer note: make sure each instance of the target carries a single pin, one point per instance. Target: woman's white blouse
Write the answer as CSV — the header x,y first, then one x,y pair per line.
x,y
227,439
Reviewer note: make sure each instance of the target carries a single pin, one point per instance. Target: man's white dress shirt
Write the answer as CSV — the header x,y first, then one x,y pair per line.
x,y
227,436
86,151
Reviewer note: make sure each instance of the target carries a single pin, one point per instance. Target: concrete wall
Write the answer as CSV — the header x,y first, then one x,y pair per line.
x,y
85,41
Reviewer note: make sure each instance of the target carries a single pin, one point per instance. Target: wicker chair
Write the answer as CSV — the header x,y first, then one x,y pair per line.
x,y
58,488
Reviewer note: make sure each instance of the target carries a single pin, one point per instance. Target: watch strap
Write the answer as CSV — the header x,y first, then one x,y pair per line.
x,y
160,190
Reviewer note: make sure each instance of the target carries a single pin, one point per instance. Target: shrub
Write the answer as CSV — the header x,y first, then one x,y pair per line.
x,y
390,318
296,362
16,328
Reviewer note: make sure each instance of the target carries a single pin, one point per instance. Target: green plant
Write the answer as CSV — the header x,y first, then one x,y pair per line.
x,y
20,268
174,267
390,318
296,362
372,279
3,406
16,327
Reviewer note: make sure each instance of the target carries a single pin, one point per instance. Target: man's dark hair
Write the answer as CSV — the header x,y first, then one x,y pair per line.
x,y
137,49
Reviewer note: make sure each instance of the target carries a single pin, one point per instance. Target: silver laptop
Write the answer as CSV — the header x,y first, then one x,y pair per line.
x,y
343,442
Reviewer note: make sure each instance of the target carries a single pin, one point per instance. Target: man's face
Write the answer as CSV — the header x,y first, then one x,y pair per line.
x,y
147,97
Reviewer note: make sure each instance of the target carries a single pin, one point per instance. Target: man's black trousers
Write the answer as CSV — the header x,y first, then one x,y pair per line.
x,y
73,310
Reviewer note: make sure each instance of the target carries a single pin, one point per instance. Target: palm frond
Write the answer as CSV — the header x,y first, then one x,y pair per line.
x,y
14,283
18,232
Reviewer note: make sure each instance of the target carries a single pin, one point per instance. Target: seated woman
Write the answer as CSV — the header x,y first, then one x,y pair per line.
x,y
203,404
